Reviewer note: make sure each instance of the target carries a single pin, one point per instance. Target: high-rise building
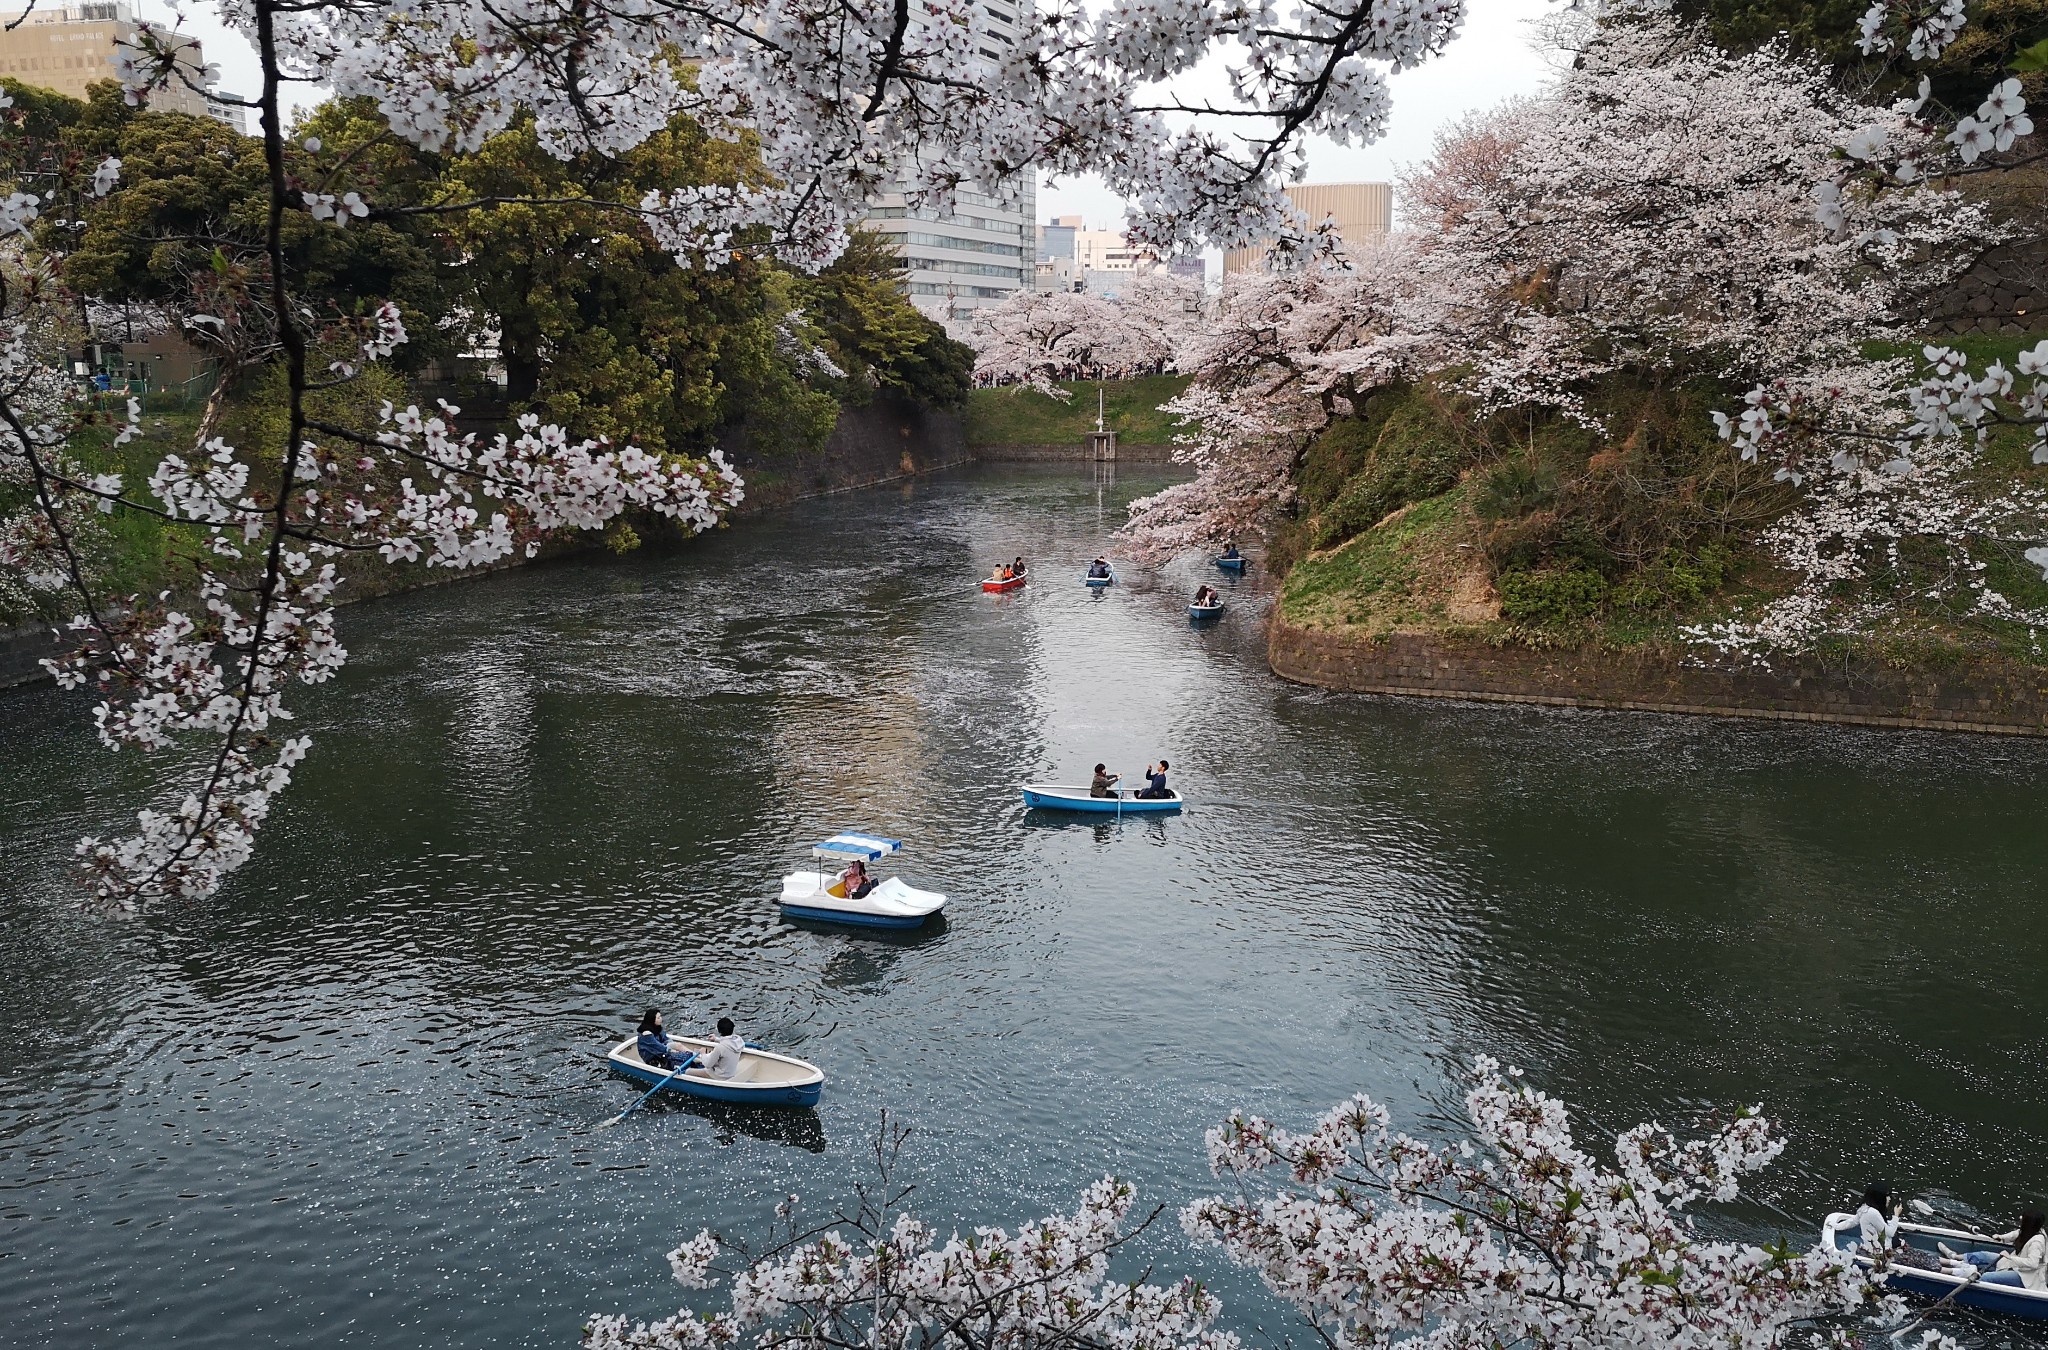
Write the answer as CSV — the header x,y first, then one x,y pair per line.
x,y
983,251
1363,212
71,46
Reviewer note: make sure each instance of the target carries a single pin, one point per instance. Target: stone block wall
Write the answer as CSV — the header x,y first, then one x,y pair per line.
x,y
1993,697
2005,292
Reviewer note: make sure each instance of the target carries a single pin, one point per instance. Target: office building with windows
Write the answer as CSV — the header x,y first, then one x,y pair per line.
x,y
69,47
1363,214
982,251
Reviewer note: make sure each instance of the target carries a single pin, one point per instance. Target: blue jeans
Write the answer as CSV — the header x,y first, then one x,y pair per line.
x,y
1987,1262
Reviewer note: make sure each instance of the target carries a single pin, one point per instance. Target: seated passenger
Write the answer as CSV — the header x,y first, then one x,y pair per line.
x,y
1155,782
653,1047
1230,549
1017,567
1098,568
856,879
722,1060
1874,1229
997,575
2024,1267
1205,596
1103,783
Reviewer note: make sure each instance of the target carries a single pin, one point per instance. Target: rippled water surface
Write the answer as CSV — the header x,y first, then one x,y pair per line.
x,y
348,1101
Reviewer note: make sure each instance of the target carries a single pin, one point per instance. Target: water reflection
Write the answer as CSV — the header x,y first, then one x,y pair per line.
x,y
540,802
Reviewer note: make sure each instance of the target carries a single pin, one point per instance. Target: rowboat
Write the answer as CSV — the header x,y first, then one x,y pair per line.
x,y
764,1078
1201,612
1012,584
1109,580
1838,1232
1232,564
1055,797
811,894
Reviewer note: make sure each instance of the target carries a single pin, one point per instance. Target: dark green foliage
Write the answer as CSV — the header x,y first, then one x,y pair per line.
x,y
1552,596
1405,446
1020,416
1998,40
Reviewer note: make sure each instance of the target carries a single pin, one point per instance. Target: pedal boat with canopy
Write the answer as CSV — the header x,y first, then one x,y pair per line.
x,y
764,1078
816,893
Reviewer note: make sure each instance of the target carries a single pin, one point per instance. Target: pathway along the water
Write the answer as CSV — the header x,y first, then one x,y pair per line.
x,y
349,1102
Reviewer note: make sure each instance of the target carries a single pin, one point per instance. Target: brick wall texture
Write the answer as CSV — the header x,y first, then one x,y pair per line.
x,y
1995,697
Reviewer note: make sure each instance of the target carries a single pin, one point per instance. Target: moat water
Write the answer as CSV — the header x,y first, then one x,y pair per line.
x,y
349,1101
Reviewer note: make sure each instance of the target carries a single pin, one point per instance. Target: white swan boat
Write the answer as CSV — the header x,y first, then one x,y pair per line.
x,y
817,894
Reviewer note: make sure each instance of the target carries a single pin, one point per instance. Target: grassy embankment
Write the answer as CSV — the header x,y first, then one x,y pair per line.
x,y
1419,517
1021,416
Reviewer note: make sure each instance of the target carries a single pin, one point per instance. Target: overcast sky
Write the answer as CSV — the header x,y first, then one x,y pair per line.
x,y
1493,59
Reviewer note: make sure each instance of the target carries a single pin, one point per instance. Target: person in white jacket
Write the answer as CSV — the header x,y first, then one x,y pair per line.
x,y
1876,1219
722,1060
2025,1266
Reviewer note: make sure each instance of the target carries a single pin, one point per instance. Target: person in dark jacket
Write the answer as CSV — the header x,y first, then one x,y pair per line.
x,y
1104,782
653,1045
1155,781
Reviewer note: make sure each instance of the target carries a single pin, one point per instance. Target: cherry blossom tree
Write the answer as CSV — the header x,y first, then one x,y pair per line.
x,y
837,101
1518,1236
1035,338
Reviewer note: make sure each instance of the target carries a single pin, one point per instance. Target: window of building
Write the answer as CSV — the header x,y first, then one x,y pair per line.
x,y
955,241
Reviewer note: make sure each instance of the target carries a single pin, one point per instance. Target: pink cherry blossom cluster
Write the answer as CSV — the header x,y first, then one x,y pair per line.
x,y
1036,338
1623,221
216,665
895,1281
1517,1236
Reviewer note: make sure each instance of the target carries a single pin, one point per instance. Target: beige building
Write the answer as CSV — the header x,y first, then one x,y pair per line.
x,y
1363,213
71,46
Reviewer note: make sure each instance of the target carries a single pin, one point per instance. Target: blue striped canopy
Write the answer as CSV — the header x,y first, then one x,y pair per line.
x,y
852,844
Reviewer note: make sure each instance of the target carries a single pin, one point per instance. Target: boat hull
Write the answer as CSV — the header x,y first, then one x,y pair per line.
x,y
891,904
766,1078
1199,613
1098,582
1012,584
1054,797
2011,1300
1232,564
817,915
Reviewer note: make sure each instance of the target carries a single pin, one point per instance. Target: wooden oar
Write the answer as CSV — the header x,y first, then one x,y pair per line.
x,y
687,1061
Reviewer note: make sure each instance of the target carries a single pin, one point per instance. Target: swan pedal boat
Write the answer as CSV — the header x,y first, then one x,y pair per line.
x,y
1109,580
1838,1232
764,1078
1199,612
1056,797
1012,584
1232,564
812,894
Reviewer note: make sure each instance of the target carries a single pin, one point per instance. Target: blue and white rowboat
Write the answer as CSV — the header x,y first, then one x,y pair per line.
x,y
1201,612
1232,564
1055,797
1839,1232
813,894
764,1078
1109,580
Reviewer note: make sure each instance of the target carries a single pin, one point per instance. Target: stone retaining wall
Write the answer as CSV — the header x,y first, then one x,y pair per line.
x,y
1077,453
1994,697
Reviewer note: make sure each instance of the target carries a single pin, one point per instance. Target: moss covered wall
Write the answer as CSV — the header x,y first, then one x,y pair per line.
x,y
1981,696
